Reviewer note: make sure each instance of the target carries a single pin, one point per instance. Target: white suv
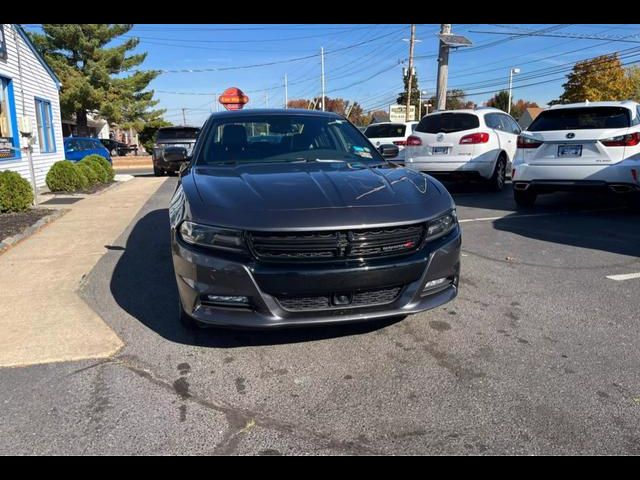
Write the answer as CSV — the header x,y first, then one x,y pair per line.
x,y
467,144
395,133
580,145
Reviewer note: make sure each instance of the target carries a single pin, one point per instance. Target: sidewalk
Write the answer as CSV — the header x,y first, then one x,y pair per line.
x,y
42,319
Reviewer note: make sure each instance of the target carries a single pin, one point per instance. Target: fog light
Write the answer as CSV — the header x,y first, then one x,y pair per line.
x,y
434,283
227,299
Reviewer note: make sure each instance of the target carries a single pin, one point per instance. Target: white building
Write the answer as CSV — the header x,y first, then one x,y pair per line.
x,y
28,88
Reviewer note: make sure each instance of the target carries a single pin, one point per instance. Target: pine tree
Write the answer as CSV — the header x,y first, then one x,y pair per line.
x,y
96,78
415,92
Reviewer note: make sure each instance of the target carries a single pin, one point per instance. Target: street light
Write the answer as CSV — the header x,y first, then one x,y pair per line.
x,y
512,72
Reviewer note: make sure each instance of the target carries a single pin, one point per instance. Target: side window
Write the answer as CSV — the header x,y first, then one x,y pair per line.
x,y
85,144
44,120
413,127
493,121
636,120
511,125
72,146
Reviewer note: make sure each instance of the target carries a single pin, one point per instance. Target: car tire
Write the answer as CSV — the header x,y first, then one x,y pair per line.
x,y
499,177
524,198
157,172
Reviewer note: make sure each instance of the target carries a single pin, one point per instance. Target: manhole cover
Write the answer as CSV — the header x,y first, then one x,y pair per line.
x,y
61,201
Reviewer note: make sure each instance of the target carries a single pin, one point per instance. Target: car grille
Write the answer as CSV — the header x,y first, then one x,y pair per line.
x,y
336,245
368,298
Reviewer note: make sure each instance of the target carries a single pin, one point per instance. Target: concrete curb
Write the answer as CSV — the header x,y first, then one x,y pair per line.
x,y
7,243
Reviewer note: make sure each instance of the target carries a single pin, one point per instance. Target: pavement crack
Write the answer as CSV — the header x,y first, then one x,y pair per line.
x,y
240,420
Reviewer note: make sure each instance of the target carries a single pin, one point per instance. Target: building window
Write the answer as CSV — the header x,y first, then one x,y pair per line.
x,y
3,43
44,118
8,134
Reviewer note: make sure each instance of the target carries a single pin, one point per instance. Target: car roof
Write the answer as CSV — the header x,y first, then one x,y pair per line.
x,y
393,123
81,138
179,127
473,111
623,103
274,111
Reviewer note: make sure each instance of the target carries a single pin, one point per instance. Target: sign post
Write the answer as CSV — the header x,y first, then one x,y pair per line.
x,y
398,113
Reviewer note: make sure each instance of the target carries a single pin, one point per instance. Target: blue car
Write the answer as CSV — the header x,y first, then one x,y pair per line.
x,y
76,148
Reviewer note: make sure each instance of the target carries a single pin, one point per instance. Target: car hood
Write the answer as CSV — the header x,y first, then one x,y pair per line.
x,y
313,195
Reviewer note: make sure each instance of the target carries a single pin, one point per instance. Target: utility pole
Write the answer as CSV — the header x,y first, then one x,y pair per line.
x,y
322,74
184,118
410,71
286,95
443,69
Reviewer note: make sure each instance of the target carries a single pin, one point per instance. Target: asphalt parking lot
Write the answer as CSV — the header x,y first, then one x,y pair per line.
x,y
539,354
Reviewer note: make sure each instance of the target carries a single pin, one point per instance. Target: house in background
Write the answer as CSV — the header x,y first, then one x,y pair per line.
x,y
528,116
97,127
28,90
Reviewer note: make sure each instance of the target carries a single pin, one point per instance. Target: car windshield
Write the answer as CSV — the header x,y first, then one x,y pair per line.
x,y
385,130
448,123
581,119
177,133
284,138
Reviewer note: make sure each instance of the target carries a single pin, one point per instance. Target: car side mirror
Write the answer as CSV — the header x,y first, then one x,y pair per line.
x,y
176,154
388,150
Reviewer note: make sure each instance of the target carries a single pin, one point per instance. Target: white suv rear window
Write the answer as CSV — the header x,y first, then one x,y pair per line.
x,y
448,123
581,119
386,130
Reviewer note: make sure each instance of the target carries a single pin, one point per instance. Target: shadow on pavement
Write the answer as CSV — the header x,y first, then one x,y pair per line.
x,y
144,285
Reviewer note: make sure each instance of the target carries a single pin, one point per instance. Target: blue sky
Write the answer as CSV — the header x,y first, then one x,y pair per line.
x,y
362,62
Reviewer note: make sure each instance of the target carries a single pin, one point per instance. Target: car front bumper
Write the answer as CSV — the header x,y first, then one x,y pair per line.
x,y
200,273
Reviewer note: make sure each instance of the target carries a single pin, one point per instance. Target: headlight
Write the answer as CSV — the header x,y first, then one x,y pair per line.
x,y
442,225
214,237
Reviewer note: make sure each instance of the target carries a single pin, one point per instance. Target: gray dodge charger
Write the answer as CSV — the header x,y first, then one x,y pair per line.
x,y
292,217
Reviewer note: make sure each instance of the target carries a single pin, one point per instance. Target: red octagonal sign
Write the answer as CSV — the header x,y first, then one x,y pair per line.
x,y
233,99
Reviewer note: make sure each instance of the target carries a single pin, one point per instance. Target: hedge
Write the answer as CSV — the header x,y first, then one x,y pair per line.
x,y
93,171
15,192
66,176
105,165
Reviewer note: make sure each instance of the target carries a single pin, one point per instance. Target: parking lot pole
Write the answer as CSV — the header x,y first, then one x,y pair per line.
x,y
322,74
443,69
410,72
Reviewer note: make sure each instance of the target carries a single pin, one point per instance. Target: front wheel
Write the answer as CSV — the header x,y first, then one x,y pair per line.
x,y
157,172
524,198
497,180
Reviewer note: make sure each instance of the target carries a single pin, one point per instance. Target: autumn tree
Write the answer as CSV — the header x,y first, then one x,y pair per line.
x,y
597,79
518,108
97,78
299,103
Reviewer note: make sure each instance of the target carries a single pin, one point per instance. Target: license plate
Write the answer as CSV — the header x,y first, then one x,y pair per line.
x,y
570,150
440,150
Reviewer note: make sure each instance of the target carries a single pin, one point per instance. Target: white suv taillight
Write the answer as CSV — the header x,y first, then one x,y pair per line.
x,y
414,141
480,137
524,142
630,140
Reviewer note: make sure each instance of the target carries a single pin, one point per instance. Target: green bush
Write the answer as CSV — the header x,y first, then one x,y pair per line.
x,y
96,166
104,163
15,192
97,175
65,176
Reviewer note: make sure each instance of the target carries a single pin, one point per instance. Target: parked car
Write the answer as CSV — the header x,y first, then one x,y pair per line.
x,y
172,137
580,146
395,133
76,148
118,148
316,229
464,144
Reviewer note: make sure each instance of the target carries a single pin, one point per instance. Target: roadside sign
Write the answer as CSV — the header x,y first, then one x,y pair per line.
x,y
233,99
397,113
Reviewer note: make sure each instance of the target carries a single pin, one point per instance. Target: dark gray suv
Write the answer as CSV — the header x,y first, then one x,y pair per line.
x,y
166,139
293,217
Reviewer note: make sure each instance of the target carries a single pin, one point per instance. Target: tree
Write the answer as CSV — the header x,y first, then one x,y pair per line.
x,y
518,109
500,100
597,79
633,74
415,92
94,78
299,103
455,100
147,135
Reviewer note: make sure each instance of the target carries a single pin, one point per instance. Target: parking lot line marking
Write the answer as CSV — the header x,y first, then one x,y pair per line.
x,y
624,276
546,214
